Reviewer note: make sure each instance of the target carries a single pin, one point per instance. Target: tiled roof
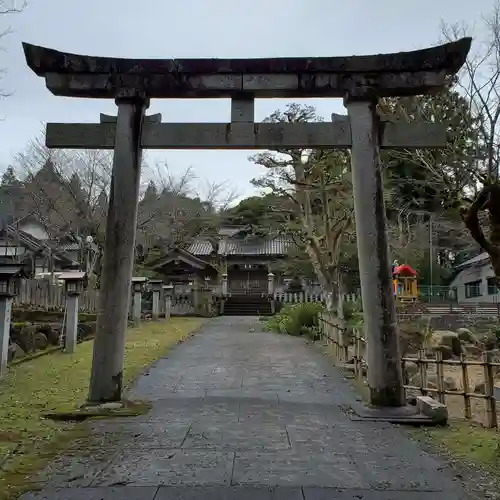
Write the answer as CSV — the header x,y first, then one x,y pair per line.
x,y
243,246
200,247
68,247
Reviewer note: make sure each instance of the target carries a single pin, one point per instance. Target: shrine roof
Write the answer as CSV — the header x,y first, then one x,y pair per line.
x,y
251,246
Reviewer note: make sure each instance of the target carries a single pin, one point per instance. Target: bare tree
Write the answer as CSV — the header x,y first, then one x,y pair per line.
x,y
8,7
479,82
174,209
66,190
318,184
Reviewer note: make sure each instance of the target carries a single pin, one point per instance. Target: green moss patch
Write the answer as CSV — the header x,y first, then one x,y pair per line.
x,y
59,382
466,441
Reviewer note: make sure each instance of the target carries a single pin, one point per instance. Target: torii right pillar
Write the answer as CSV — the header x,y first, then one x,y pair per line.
x,y
385,378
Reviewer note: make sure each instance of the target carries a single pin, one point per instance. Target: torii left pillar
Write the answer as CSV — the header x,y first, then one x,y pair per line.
x,y
106,381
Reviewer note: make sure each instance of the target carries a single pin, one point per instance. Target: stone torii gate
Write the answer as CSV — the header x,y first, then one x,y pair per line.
x,y
359,80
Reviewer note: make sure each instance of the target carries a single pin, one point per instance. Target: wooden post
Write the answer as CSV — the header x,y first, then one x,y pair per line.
x,y
106,381
385,378
422,366
465,387
357,353
489,391
440,377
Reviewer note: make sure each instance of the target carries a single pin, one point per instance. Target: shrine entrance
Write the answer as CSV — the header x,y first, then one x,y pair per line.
x,y
247,279
359,80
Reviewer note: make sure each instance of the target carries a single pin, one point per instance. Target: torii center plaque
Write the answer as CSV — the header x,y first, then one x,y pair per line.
x,y
359,80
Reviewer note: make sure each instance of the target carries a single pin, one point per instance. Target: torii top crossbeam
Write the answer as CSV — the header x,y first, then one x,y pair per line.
x,y
397,74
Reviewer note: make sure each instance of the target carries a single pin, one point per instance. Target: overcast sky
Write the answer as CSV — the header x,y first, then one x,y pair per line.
x,y
201,28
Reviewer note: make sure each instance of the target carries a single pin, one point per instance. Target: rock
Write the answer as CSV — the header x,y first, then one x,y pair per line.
x,y
411,337
447,338
84,331
450,384
14,352
411,369
446,351
480,388
434,409
26,337
472,350
111,406
40,341
489,342
51,334
495,358
466,335
431,381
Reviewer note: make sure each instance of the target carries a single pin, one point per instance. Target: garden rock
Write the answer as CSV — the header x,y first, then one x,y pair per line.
x,y
14,352
466,335
51,334
26,338
447,338
446,351
450,384
480,388
489,342
495,358
411,338
40,341
472,350
411,369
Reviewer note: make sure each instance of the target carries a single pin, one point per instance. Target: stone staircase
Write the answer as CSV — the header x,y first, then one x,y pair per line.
x,y
247,305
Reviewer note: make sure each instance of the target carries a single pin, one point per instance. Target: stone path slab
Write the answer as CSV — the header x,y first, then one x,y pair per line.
x,y
241,414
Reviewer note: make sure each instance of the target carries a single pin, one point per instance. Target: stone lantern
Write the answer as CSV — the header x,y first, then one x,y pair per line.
x,y
138,286
75,283
156,287
10,280
270,284
224,287
168,292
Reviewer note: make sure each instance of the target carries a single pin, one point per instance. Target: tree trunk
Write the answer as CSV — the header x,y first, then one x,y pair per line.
x,y
487,199
340,296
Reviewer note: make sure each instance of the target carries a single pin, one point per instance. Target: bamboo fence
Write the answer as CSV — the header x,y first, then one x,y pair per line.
x,y
335,333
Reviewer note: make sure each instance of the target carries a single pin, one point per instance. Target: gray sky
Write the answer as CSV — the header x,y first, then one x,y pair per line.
x,y
199,28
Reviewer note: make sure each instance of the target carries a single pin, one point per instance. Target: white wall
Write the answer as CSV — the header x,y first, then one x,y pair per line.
x,y
473,274
7,249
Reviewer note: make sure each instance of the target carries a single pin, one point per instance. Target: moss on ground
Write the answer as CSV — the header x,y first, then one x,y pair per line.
x,y
467,442
49,383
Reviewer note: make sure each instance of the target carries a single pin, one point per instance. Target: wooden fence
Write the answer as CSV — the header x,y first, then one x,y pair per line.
x,y
301,297
350,347
45,295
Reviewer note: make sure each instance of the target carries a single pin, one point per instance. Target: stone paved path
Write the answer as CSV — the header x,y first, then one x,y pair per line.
x,y
242,414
